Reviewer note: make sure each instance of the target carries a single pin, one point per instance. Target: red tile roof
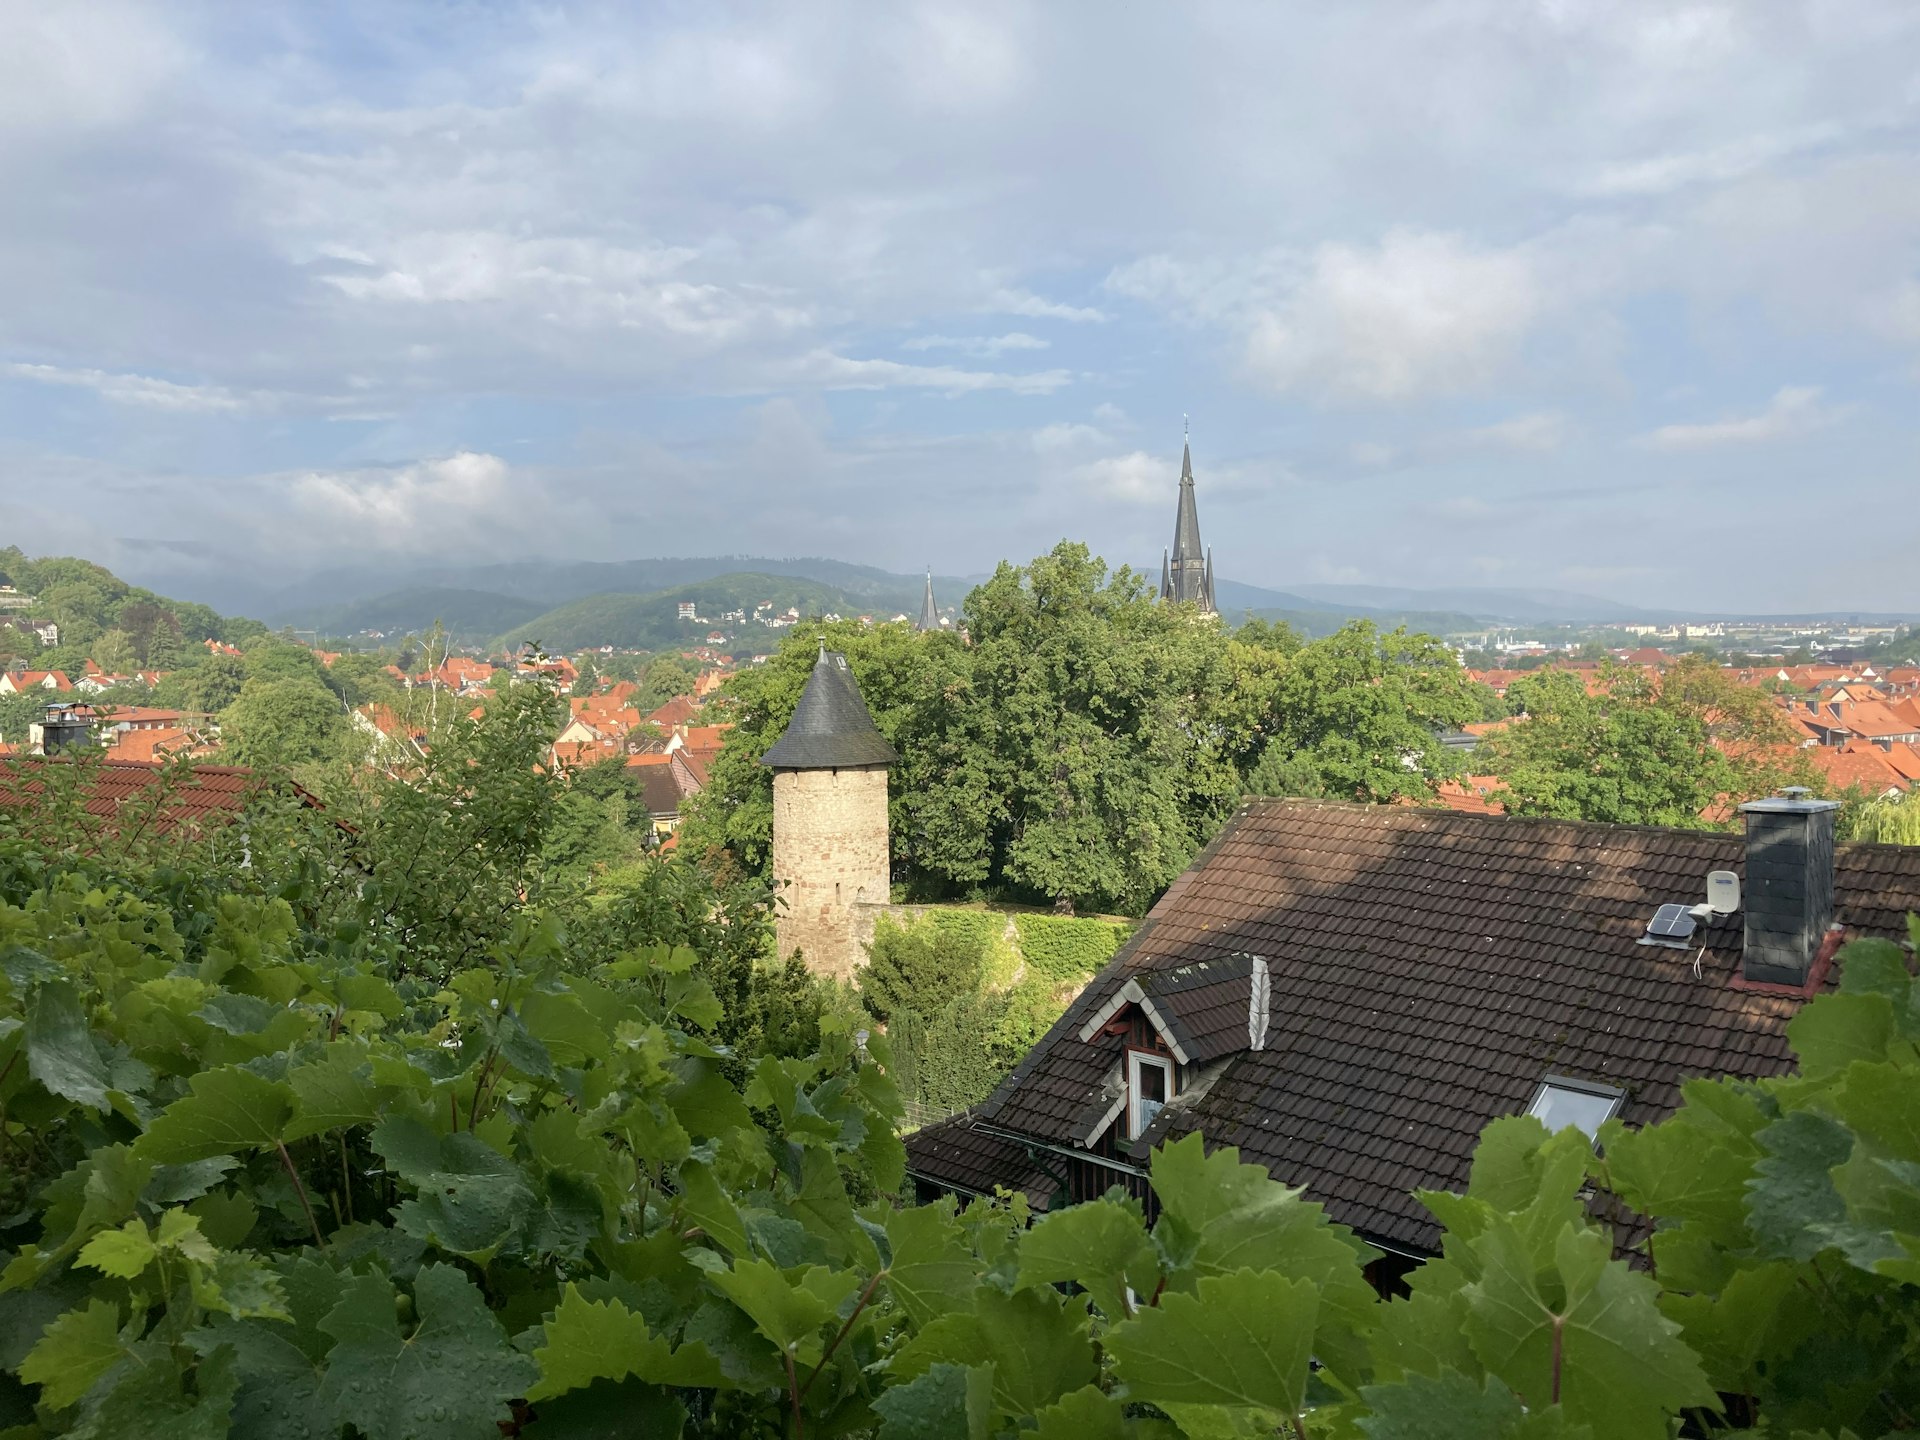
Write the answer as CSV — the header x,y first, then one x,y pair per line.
x,y
680,710
199,795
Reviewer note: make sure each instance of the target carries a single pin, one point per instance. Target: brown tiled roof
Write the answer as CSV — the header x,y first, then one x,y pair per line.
x,y
955,1147
1428,970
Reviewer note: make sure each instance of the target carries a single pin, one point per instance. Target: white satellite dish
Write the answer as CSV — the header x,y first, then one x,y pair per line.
x,y
1723,892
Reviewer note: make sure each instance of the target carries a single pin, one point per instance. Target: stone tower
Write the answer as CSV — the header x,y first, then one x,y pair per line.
x,y
1186,571
830,856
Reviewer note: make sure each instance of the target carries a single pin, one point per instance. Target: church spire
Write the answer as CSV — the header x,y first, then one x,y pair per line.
x,y
929,612
1187,572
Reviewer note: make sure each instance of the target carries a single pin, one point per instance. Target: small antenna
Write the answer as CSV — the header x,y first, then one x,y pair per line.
x,y
1186,426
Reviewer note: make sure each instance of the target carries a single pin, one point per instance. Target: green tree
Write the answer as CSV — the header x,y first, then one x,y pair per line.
x,y
113,653
213,683
1680,748
1098,730
283,722
1358,716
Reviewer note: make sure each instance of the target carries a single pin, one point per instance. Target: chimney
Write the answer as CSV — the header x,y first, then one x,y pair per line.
x,y
65,727
1789,887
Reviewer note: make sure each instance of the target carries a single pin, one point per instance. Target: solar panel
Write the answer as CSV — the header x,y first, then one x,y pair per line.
x,y
1672,923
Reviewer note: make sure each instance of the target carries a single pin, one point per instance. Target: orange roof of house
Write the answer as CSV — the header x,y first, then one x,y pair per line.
x,y
570,754
705,737
42,680
151,745
1873,720
1485,727
220,647
1857,766
656,757
1473,795
146,714
680,710
1904,757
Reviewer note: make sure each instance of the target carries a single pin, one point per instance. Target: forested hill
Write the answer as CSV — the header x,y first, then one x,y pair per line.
x,y
650,622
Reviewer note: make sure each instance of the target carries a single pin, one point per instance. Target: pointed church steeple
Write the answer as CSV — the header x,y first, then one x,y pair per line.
x,y
1187,571
929,612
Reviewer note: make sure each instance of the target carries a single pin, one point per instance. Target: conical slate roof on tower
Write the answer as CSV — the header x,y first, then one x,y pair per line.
x,y
929,612
1186,572
831,728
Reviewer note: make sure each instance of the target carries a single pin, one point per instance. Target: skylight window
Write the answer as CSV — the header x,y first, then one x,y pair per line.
x,y
1561,1102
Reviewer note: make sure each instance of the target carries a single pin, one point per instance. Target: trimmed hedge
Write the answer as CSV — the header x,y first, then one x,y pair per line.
x,y
1067,947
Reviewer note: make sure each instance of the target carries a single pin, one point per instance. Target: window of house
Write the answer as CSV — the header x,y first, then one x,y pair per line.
x,y
1149,1087
1585,1106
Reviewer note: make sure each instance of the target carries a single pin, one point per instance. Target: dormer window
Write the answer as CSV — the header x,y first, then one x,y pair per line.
x,y
1149,1087
1560,1102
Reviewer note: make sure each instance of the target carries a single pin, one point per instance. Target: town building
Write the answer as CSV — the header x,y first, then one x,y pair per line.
x,y
830,839
1186,571
1350,994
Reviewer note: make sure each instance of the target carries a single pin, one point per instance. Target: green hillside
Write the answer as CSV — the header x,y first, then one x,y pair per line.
x,y
650,622
467,614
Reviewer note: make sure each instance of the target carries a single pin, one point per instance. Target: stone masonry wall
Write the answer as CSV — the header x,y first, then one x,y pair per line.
x,y
830,862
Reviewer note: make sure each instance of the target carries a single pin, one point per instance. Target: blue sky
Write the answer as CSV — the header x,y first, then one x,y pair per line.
x,y
1614,297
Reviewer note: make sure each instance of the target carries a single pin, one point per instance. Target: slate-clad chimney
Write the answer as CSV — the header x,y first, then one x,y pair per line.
x,y
1788,896
65,727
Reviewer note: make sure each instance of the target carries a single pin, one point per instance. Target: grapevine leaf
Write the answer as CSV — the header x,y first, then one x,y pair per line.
x,y
1837,1030
946,1402
1084,1414
1448,1406
1730,1332
61,1053
173,1184
789,1312
229,1112
1620,1367
240,1286
1792,1205
122,1253
609,1411
150,1404
279,1394
331,1094
1220,1216
592,1340
933,1270
1035,1341
705,1204
76,1350
1422,1335
469,1198
1677,1173
450,1380
1101,1246
1240,1339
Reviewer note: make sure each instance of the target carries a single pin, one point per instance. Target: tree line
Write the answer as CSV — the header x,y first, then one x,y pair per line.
x,y
1083,740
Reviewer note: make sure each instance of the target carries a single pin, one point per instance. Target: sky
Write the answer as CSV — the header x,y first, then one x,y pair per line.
x,y
1613,297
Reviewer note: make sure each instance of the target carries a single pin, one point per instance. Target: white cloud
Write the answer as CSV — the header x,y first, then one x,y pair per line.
x,y
1417,314
1136,478
1794,411
840,372
986,347
395,508
1537,433
141,390
1025,302
1066,435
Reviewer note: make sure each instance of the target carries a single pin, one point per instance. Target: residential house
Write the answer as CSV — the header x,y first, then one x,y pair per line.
x,y
19,682
1350,994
